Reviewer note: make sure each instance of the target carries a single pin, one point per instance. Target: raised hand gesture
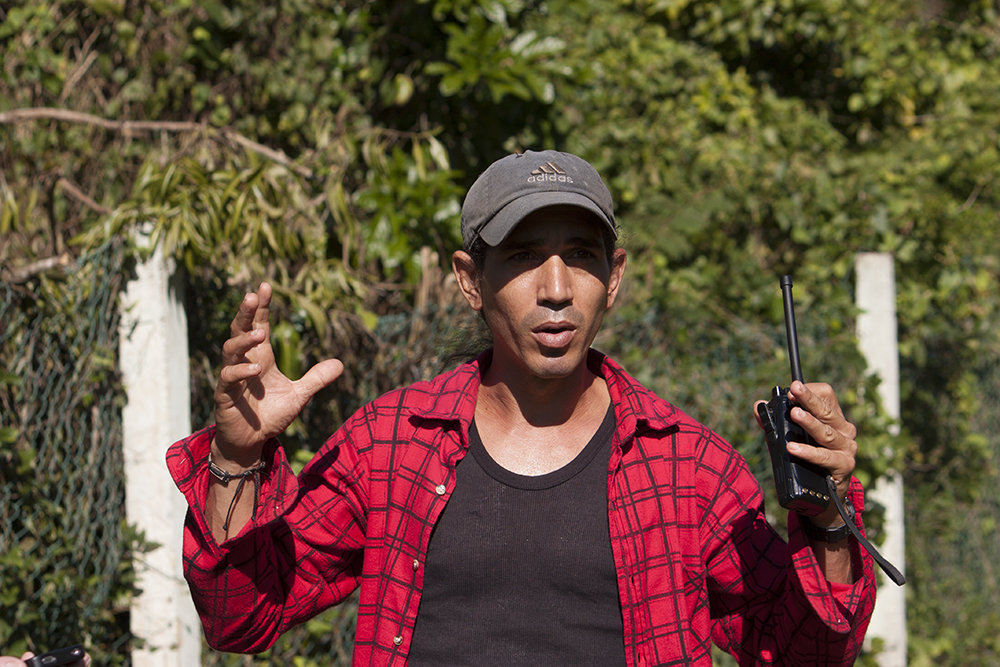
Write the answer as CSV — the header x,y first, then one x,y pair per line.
x,y
254,400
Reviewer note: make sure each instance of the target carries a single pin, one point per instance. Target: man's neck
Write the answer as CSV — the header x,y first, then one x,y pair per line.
x,y
536,425
514,396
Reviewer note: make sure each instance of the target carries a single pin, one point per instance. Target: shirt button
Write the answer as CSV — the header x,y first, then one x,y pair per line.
x,y
441,488
416,564
397,640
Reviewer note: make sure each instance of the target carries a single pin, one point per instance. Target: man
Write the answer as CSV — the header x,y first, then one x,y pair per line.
x,y
533,506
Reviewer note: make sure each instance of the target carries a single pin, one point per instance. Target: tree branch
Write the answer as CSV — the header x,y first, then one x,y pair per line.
x,y
131,127
22,273
76,193
971,199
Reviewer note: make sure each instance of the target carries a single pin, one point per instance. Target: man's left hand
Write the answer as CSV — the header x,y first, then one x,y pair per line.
x,y
818,412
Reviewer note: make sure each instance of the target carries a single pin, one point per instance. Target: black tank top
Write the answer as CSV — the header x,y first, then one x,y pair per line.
x,y
520,569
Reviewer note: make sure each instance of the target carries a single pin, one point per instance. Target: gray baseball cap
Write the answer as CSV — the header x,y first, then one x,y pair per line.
x,y
519,184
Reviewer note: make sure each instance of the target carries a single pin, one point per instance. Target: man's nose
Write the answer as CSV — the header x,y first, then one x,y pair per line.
x,y
554,282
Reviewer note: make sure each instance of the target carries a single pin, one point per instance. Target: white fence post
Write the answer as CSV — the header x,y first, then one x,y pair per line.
x,y
877,339
154,363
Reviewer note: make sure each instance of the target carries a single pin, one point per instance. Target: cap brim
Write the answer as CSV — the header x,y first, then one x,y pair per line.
x,y
503,223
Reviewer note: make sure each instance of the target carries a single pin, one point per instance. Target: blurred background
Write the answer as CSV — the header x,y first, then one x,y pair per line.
x,y
326,147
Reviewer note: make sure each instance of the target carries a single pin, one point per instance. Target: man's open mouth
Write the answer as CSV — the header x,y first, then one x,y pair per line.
x,y
554,334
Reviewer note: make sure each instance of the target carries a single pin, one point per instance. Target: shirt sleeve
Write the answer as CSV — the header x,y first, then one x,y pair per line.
x,y
770,601
300,555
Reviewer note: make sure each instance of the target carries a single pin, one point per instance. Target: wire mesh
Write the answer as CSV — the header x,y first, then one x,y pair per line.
x,y
64,547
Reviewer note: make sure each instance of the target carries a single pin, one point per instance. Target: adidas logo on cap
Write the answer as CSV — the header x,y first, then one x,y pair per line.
x,y
549,172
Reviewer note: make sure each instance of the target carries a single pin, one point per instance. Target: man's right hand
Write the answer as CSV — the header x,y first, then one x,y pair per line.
x,y
254,400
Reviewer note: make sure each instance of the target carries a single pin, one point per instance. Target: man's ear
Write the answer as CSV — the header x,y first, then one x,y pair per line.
x,y
618,261
468,278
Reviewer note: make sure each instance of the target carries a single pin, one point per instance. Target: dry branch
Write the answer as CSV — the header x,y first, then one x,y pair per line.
x,y
131,127
20,274
76,193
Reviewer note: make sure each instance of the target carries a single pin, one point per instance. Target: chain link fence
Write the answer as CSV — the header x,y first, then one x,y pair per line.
x,y
65,549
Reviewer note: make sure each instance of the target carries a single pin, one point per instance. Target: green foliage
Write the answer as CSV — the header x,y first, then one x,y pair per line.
x,y
411,202
504,71
325,148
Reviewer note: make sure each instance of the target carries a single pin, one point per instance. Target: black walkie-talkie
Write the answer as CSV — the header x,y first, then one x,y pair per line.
x,y
801,485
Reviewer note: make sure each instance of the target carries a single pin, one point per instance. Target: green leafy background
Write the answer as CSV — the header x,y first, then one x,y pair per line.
x,y
326,147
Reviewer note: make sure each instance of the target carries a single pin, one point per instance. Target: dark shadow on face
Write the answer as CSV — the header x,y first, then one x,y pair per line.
x,y
479,248
574,233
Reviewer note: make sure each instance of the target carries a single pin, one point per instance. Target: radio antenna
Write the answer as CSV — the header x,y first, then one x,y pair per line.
x,y
790,334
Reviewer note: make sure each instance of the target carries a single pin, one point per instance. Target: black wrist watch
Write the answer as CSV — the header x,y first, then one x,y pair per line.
x,y
829,535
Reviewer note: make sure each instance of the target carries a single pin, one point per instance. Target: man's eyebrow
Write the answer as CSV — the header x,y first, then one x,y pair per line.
x,y
588,242
534,241
595,240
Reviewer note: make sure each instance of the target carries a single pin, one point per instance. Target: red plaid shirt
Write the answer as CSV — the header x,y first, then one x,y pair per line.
x,y
697,561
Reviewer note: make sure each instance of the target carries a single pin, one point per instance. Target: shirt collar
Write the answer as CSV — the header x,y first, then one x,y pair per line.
x,y
452,396
636,407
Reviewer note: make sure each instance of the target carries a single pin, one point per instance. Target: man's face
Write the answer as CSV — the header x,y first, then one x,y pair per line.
x,y
544,291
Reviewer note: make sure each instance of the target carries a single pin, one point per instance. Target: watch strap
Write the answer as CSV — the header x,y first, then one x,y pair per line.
x,y
847,514
829,535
